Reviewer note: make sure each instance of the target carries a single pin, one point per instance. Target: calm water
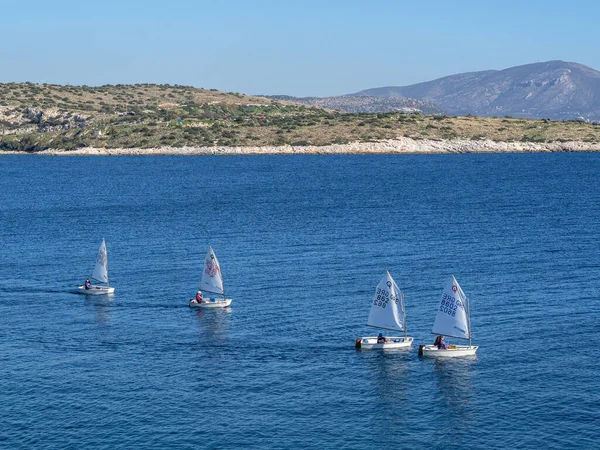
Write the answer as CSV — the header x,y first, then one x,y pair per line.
x,y
302,241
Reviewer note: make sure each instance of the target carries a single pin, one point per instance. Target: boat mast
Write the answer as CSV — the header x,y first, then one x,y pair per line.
x,y
404,313
105,259
222,281
469,317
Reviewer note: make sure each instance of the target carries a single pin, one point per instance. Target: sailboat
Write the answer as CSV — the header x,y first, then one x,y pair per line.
x,y
387,313
453,319
211,283
100,274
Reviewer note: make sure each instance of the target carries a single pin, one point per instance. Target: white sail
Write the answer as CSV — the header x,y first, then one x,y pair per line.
x,y
100,272
386,309
451,319
212,280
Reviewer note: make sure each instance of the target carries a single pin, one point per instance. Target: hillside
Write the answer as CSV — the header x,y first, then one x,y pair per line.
x,y
34,117
37,117
554,89
365,104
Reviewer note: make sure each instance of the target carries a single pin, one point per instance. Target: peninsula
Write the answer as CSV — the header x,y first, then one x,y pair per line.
x,y
164,119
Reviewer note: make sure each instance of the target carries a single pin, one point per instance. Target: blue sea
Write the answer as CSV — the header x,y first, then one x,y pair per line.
x,y
302,242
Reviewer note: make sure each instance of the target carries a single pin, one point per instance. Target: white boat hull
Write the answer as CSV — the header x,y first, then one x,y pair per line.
x,y
211,303
96,290
391,342
452,351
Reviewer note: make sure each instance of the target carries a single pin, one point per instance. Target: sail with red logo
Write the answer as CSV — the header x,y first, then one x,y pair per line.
x,y
451,319
211,283
387,307
387,313
212,280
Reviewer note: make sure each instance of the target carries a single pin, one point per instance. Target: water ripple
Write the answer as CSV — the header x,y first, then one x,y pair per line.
x,y
302,242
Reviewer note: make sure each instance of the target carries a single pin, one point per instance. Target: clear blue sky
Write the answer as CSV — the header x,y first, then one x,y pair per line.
x,y
283,47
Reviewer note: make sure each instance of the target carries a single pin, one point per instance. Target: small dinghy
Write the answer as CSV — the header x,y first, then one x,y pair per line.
x,y
212,283
387,313
99,274
453,319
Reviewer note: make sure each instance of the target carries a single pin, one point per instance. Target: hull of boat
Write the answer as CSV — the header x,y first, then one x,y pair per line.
x,y
211,303
453,351
391,343
96,290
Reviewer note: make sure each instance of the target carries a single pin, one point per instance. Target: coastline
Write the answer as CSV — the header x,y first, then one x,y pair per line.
x,y
389,146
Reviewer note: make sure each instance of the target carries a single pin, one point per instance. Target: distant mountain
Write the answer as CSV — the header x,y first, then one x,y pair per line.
x,y
554,89
364,104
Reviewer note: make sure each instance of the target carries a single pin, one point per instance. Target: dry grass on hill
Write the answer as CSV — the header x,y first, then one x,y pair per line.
x,y
90,98
35,117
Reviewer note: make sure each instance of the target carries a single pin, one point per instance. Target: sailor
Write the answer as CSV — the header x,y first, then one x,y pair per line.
x,y
380,339
199,296
439,342
87,284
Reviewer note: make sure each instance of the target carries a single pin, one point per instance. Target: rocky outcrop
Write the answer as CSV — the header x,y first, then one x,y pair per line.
x,y
29,119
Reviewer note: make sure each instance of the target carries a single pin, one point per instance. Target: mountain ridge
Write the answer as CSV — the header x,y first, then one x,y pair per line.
x,y
553,89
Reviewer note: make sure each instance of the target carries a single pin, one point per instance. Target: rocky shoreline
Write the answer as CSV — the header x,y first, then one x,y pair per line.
x,y
391,146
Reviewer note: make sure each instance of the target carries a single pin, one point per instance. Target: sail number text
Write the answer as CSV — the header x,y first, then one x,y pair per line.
x,y
383,297
449,304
